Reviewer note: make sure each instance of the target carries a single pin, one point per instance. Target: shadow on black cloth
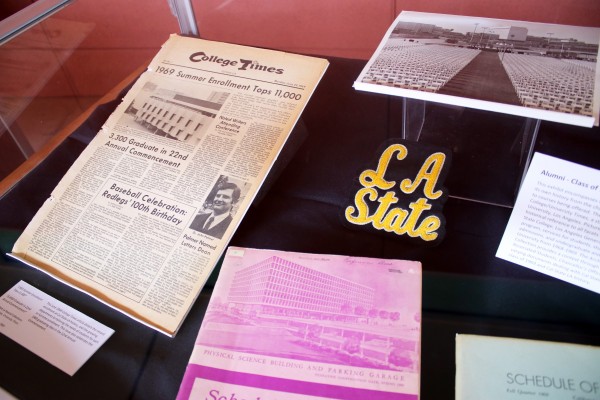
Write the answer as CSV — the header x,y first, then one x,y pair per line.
x,y
466,288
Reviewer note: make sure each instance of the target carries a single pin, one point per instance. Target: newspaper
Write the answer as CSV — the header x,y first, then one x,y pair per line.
x,y
142,217
284,325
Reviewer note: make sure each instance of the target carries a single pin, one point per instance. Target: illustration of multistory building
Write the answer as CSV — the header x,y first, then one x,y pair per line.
x,y
281,287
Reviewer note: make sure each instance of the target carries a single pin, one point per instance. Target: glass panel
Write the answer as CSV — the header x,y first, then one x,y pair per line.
x,y
490,151
17,16
354,28
55,70
341,28
488,146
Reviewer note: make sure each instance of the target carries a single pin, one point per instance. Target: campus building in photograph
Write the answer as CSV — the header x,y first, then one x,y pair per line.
x,y
413,28
516,33
276,286
177,116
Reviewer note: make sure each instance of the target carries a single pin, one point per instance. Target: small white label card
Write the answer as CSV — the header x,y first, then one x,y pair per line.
x,y
554,227
49,328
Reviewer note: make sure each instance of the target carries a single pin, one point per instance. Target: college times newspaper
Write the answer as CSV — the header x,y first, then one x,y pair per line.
x,y
144,214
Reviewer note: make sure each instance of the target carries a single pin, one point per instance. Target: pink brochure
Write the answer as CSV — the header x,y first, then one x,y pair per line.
x,y
284,325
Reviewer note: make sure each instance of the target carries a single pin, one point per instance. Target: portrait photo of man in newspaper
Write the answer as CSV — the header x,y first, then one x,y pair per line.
x,y
215,220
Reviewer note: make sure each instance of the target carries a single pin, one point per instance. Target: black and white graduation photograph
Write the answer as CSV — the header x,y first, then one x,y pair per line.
x,y
542,71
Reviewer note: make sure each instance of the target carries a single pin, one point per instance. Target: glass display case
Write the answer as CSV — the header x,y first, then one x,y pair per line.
x,y
63,77
56,65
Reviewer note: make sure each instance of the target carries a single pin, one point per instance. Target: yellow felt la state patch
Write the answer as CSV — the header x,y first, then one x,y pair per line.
x,y
404,195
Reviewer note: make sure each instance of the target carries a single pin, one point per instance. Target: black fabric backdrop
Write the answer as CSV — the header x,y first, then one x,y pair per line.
x,y
466,289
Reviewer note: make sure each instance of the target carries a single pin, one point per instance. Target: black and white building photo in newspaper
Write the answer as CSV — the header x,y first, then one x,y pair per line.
x,y
174,114
468,60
